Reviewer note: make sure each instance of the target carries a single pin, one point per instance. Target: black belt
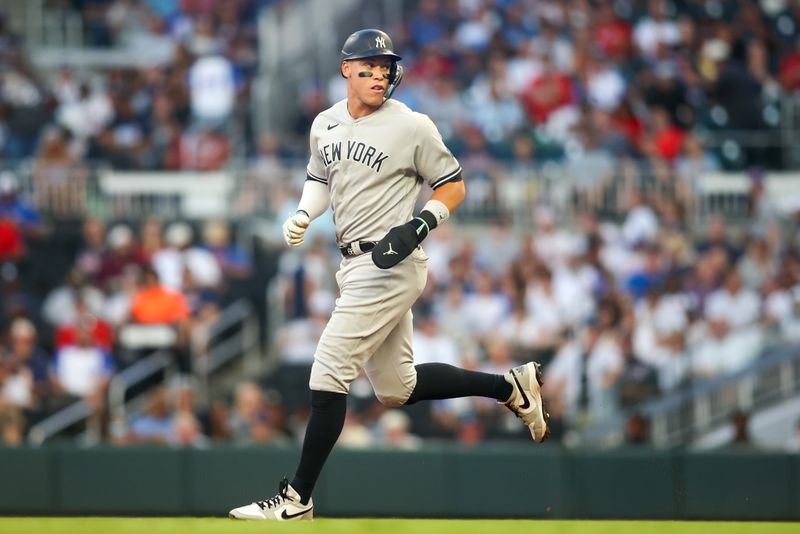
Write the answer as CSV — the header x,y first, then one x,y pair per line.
x,y
357,248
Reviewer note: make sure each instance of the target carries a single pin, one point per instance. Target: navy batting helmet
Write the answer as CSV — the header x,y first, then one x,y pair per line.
x,y
368,43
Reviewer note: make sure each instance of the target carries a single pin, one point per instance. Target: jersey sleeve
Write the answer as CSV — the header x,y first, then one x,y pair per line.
x,y
434,162
316,169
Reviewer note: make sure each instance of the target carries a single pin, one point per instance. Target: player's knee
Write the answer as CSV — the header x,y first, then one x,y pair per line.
x,y
393,400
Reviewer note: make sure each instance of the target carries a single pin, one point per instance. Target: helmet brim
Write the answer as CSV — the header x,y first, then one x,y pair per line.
x,y
374,52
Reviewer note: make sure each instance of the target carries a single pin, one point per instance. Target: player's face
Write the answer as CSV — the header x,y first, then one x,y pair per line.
x,y
368,78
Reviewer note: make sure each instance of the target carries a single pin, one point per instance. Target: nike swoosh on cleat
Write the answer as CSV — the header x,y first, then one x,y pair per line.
x,y
527,404
284,515
332,126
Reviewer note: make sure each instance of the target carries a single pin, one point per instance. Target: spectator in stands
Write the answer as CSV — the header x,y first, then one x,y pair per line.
x,y
734,335
22,222
66,334
355,435
432,345
450,312
23,368
117,309
427,26
64,303
86,114
155,424
693,162
12,247
656,31
579,381
492,106
782,308
206,150
93,247
297,338
12,425
545,319
658,340
758,263
180,256
789,70
156,303
122,252
188,430
151,237
27,107
666,139
59,176
393,430
233,260
637,381
716,237
252,421
550,91
486,307
641,224
83,371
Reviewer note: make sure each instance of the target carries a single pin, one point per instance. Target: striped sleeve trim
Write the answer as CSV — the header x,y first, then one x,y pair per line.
x,y
311,177
454,176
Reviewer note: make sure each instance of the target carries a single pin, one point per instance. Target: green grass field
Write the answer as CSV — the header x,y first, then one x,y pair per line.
x,y
117,525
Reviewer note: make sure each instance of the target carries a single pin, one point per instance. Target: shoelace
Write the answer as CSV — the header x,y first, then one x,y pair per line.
x,y
277,500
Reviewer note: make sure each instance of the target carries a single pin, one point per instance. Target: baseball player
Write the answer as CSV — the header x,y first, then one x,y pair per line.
x,y
369,158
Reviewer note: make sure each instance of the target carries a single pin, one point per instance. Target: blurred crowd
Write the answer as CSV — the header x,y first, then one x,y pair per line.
x,y
177,104
618,305
617,312
642,79
123,292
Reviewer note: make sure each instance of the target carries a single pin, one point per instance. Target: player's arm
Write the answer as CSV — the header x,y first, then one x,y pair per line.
x,y
450,194
435,162
313,203
403,239
314,200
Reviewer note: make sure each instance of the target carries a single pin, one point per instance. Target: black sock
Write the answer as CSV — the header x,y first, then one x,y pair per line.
x,y
442,381
327,419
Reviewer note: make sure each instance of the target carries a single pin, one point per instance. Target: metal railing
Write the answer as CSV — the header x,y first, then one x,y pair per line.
x,y
233,335
684,415
59,421
679,417
499,191
137,373
119,386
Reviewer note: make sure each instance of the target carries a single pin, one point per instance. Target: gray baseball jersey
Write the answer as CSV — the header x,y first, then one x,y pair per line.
x,y
374,168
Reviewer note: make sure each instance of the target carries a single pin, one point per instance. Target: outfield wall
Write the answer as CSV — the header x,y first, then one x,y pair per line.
x,y
521,481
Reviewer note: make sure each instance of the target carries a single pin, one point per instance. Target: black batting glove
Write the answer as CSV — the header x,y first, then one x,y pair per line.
x,y
402,240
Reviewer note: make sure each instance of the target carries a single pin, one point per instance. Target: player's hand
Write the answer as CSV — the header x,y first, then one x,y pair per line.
x,y
395,246
294,229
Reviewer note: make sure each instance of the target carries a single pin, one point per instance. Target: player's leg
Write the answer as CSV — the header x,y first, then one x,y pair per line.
x,y
519,389
398,381
371,303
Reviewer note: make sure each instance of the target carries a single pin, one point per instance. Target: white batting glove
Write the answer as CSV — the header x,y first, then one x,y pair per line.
x,y
294,229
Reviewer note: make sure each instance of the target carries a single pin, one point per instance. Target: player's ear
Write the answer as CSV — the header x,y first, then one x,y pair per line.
x,y
344,69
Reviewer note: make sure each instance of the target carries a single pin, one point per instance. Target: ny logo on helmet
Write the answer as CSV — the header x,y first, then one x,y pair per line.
x,y
380,42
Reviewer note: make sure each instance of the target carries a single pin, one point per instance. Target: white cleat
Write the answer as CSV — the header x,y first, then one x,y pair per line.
x,y
526,399
285,506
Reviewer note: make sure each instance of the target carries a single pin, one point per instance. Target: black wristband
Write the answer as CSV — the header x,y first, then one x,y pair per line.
x,y
423,224
429,218
304,212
